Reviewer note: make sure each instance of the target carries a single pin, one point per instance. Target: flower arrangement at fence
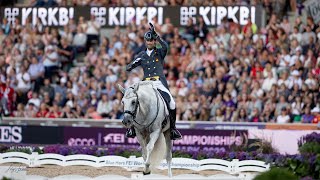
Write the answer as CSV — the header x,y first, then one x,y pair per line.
x,y
306,164
309,143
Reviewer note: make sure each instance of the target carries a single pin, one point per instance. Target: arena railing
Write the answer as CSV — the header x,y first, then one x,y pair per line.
x,y
116,123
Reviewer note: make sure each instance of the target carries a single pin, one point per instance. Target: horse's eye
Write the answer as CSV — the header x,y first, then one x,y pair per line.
x,y
133,102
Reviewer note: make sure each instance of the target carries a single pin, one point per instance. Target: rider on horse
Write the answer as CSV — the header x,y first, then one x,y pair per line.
x,y
152,61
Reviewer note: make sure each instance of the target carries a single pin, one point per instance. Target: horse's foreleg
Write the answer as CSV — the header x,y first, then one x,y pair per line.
x,y
142,143
153,138
169,151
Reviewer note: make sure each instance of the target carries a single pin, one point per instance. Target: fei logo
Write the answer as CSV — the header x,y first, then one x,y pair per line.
x,y
114,138
10,134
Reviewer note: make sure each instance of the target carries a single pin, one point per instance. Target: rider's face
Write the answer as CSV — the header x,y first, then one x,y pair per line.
x,y
151,44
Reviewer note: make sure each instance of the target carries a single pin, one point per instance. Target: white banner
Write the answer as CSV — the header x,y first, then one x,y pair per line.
x,y
122,16
313,9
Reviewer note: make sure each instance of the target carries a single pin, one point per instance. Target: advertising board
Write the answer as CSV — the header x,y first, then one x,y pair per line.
x,y
122,16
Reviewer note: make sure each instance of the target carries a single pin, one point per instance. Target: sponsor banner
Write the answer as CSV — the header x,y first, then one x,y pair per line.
x,y
192,139
122,16
11,134
285,141
313,9
31,134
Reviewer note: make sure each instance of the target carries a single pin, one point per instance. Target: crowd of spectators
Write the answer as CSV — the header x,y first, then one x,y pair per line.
x,y
230,73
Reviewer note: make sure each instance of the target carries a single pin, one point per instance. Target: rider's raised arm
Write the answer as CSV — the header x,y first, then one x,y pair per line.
x,y
135,63
164,46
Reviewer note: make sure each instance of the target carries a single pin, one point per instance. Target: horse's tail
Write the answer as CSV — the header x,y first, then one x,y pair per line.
x,y
158,153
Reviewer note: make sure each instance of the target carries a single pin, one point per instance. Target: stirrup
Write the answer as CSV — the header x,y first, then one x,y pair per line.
x,y
175,134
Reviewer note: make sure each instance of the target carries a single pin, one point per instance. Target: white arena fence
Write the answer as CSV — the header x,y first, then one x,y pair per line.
x,y
243,176
132,163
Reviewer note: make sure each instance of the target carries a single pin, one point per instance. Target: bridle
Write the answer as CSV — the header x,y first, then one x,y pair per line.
x,y
134,113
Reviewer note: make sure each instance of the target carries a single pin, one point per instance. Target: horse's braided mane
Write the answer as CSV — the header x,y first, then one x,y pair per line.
x,y
141,83
135,85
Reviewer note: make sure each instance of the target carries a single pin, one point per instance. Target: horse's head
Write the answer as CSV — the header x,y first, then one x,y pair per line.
x,y
130,103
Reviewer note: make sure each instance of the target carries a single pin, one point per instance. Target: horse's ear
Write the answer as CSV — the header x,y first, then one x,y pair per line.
x,y
123,90
136,87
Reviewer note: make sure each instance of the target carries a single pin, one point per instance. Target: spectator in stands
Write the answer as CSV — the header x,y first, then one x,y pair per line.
x,y
20,111
92,31
219,117
92,113
242,115
5,26
23,82
268,82
267,115
68,112
31,110
283,117
190,30
42,111
312,25
61,89
65,52
116,112
47,88
50,61
104,107
59,99
54,112
230,115
308,37
201,29
66,34
2,97
295,79
254,115
297,107
36,71
79,41
34,100
316,113
307,117
46,99
296,34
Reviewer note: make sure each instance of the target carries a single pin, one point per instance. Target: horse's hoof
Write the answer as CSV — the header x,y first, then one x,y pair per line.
x,y
146,173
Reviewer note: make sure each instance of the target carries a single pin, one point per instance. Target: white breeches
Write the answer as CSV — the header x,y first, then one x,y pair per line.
x,y
159,85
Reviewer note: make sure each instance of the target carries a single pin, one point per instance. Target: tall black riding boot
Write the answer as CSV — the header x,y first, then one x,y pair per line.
x,y
131,133
175,134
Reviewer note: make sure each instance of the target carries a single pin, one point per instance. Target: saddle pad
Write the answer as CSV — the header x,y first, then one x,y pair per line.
x,y
166,98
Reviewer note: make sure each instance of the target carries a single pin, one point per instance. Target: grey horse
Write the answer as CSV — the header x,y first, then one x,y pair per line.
x,y
145,109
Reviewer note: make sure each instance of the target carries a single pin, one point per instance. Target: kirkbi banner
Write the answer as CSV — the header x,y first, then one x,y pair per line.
x,y
122,16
